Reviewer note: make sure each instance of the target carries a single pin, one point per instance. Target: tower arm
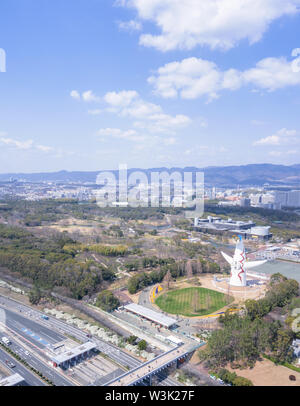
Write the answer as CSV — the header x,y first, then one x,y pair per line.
x,y
227,257
253,264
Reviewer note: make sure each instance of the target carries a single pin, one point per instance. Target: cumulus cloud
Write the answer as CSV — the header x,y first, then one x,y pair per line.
x,y
75,95
17,144
195,77
121,99
295,52
141,140
281,138
131,25
147,115
24,145
214,23
89,96
128,103
130,135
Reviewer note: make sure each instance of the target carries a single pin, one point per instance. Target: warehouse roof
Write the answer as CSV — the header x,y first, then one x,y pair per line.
x,y
150,314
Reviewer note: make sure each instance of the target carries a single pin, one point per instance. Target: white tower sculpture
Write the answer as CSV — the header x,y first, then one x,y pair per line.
x,y
239,265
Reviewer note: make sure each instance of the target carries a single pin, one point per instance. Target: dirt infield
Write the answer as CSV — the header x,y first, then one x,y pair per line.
x,y
266,373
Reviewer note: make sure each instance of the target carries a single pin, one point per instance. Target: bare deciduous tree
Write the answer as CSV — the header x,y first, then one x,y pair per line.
x,y
167,279
189,269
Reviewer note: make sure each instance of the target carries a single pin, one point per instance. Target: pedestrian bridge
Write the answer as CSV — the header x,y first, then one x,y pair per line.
x,y
153,367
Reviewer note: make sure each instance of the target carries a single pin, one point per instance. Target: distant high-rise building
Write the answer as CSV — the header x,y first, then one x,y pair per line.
x,y
289,199
293,198
280,197
244,202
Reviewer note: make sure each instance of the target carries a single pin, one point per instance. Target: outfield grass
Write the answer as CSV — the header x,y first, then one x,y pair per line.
x,y
192,301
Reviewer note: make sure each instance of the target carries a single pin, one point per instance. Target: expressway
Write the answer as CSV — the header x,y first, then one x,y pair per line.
x,y
29,354
30,378
29,328
20,316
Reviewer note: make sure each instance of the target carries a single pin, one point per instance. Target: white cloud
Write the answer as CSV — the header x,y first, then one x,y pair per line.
x,y
120,99
148,115
25,145
281,138
184,24
195,77
162,123
89,96
283,153
295,52
75,95
272,74
142,141
131,25
130,135
270,140
129,104
17,144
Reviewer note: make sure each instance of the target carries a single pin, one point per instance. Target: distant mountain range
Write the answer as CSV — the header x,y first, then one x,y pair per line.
x,y
244,175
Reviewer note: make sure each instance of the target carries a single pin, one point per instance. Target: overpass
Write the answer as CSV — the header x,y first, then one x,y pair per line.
x,y
150,368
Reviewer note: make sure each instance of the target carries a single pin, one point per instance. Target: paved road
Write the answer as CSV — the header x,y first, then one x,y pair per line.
x,y
30,378
54,325
28,354
38,334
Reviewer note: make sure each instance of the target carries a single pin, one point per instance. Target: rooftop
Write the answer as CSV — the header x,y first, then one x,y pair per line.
x,y
150,314
74,352
12,380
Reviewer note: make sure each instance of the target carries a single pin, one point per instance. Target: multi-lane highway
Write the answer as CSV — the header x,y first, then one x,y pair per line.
x,y
30,378
27,322
28,354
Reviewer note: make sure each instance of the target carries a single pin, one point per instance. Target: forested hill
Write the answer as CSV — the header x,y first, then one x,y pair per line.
x,y
245,175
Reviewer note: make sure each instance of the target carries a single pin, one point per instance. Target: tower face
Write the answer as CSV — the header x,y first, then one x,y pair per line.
x,y
238,272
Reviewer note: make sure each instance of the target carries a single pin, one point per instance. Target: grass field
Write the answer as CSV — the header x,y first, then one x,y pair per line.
x,y
192,301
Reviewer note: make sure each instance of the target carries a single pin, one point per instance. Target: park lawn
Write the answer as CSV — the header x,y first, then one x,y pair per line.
x,y
192,302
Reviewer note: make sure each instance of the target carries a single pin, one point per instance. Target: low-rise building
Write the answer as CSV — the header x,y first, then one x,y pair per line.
x,y
247,229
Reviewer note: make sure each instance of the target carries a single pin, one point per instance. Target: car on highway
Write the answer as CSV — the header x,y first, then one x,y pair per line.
x,y
10,364
6,340
26,353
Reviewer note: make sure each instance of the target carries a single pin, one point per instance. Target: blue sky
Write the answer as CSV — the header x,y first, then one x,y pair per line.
x,y
90,84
